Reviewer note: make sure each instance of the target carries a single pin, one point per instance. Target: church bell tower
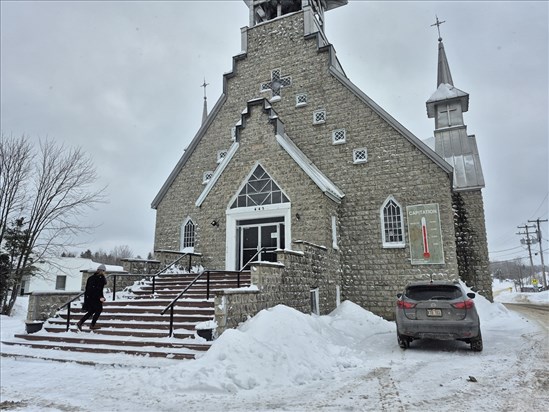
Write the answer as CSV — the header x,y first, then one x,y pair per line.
x,y
265,10
447,105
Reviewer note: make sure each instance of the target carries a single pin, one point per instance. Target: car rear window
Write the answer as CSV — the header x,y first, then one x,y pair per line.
x,y
433,292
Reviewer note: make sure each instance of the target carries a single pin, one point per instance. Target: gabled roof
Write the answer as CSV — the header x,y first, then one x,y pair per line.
x,y
323,183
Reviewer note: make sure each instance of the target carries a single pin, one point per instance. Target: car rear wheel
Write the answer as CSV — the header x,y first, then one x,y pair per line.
x,y
403,341
476,343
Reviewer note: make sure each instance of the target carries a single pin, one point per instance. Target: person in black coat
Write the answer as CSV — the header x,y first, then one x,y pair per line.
x,y
93,297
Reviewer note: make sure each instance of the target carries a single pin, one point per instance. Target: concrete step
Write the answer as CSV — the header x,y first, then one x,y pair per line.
x,y
96,339
161,302
118,324
133,323
143,333
145,352
145,317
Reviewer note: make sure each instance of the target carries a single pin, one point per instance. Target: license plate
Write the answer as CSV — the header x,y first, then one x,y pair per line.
x,y
434,312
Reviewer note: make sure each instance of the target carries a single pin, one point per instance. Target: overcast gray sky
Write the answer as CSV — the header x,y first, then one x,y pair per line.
x,y
122,81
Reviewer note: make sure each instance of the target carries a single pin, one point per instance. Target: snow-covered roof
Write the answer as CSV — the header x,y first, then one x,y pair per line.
x,y
70,265
447,92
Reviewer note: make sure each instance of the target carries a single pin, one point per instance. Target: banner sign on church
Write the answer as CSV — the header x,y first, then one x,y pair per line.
x,y
425,234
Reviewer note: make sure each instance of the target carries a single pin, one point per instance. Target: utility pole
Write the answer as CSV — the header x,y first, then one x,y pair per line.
x,y
544,275
528,243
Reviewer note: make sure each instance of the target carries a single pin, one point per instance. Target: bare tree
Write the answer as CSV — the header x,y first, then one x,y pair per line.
x,y
16,157
121,252
59,192
114,257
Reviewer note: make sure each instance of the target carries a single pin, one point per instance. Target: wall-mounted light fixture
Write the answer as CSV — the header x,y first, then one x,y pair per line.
x,y
297,216
214,223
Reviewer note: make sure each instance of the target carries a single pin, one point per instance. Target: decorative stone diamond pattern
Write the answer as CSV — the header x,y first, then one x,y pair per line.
x,y
221,155
339,136
319,116
207,176
360,156
301,99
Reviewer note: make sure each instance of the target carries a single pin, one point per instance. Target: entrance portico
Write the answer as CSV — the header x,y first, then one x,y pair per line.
x,y
258,216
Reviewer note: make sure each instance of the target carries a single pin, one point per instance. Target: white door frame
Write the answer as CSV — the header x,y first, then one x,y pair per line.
x,y
253,212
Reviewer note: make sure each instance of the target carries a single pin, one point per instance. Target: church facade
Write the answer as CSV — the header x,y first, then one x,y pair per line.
x,y
298,169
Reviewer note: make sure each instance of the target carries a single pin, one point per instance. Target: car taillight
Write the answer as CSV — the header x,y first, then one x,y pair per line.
x,y
466,304
405,305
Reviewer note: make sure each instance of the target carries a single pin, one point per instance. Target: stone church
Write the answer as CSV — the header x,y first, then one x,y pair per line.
x,y
299,171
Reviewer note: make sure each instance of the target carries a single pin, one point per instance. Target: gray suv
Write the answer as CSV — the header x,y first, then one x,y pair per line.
x,y
437,310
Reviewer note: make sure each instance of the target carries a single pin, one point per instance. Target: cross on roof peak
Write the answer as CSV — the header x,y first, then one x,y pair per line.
x,y
438,23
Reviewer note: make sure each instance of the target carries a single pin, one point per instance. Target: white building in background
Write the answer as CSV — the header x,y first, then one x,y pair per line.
x,y
60,274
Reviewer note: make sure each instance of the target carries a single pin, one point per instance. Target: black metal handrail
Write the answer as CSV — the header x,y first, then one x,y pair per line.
x,y
190,255
68,304
114,275
171,305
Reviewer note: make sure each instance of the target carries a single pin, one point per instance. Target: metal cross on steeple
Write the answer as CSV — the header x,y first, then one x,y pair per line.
x,y
438,23
205,109
204,86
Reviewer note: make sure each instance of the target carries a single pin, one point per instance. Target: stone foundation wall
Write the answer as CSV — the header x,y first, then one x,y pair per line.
x,y
44,305
286,282
471,242
141,266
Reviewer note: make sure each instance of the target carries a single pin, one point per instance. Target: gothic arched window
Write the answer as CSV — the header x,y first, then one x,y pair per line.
x,y
392,224
187,234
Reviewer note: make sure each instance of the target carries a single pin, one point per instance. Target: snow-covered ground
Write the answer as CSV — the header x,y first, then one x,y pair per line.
x,y
283,360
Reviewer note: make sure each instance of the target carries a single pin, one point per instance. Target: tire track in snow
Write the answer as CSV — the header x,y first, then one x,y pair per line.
x,y
388,392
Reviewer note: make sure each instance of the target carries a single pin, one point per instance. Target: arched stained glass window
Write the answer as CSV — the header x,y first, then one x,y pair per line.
x,y
392,224
259,190
187,235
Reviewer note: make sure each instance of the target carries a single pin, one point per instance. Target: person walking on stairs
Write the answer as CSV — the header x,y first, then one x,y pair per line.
x,y
93,298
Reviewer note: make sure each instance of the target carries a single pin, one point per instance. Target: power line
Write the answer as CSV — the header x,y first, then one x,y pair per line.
x,y
504,250
540,205
510,260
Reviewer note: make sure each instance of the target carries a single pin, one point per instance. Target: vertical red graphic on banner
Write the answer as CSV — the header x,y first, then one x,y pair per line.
x,y
426,253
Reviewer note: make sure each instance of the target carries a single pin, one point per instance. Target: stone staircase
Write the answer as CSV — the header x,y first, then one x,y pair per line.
x,y
133,324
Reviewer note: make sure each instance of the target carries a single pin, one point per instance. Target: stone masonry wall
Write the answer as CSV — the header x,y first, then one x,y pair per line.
x,y
43,305
472,243
288,282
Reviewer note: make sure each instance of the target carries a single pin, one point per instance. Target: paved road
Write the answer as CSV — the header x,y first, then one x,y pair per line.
x,y
537,313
